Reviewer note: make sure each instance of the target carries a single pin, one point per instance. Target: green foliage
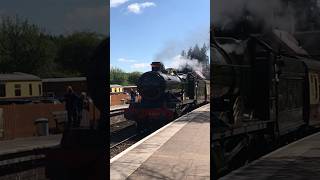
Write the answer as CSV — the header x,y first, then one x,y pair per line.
x,y
25,47
75,51
133,77
118,76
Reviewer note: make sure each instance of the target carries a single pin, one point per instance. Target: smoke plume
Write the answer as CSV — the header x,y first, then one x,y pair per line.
x,y
179,62
236,48
225,14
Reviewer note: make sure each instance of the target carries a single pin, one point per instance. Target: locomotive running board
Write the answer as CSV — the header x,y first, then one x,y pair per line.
x,y
245,128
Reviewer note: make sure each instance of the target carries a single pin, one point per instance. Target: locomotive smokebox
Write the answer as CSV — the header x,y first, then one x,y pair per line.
x,y
153,85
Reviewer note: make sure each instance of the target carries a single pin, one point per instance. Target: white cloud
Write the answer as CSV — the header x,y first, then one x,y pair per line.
x,y
137,7
140,65
147,4
126,60
116,3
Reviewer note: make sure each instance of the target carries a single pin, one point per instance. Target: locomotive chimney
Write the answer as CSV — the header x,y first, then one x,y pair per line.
x,y
157,66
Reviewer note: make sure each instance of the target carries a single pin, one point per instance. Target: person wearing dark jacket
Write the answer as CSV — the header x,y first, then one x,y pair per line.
x,y
71,105
133,96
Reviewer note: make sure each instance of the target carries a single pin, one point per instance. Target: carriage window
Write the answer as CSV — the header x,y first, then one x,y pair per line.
x,y
290,94
316,87
17,89
30,89
40,91
283,87
2,90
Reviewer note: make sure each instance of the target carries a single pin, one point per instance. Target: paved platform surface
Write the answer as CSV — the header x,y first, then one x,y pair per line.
x,y
118,107
179,150
299,160
27,144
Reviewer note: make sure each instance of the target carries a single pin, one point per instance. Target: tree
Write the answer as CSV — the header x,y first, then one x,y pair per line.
x,y
203,55
196,53
133,77
189,54
200,55
24,47
183,53
117,76
76,50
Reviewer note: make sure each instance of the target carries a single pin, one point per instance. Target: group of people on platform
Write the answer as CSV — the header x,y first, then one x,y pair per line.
x,y
77,107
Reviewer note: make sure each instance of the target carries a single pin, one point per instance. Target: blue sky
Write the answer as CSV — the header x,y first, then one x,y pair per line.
x,y
145,30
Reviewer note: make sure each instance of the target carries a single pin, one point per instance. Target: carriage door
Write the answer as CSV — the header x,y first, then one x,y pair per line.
x,y
291,96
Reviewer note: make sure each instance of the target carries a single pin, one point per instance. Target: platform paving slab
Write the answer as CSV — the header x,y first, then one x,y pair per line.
x,y
116,107
180,150
29,143
299,160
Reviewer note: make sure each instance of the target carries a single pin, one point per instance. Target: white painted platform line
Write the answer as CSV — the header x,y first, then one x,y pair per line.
x,y
122,166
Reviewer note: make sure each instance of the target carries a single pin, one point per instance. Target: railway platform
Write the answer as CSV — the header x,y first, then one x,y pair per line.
x,y
28,144
179,150
298,160
118,107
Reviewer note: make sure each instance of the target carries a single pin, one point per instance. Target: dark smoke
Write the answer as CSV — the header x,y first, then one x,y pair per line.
x,y
255,15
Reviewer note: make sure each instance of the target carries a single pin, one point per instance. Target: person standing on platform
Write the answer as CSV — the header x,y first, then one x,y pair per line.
x,y
71,107
80,102
137,95
84,109
133,96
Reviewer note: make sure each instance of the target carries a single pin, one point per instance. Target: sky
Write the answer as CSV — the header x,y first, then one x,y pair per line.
x,y
61,16
142,31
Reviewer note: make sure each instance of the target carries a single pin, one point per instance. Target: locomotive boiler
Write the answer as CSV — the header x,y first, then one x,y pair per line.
x,y
165,95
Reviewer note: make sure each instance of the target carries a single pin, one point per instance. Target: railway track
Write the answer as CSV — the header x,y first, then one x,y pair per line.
x,y
117,112
17,162
114,145
124,133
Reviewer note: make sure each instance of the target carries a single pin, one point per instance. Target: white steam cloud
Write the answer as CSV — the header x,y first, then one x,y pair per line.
x,y
179,62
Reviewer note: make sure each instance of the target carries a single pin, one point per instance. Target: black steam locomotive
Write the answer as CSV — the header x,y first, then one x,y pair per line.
x,y
265,88
165,95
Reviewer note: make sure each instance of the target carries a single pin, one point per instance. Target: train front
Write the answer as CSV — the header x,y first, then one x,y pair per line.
x,y
156,87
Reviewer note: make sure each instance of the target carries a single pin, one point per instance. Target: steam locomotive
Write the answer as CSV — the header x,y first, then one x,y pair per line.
x,y
268,80
165,95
